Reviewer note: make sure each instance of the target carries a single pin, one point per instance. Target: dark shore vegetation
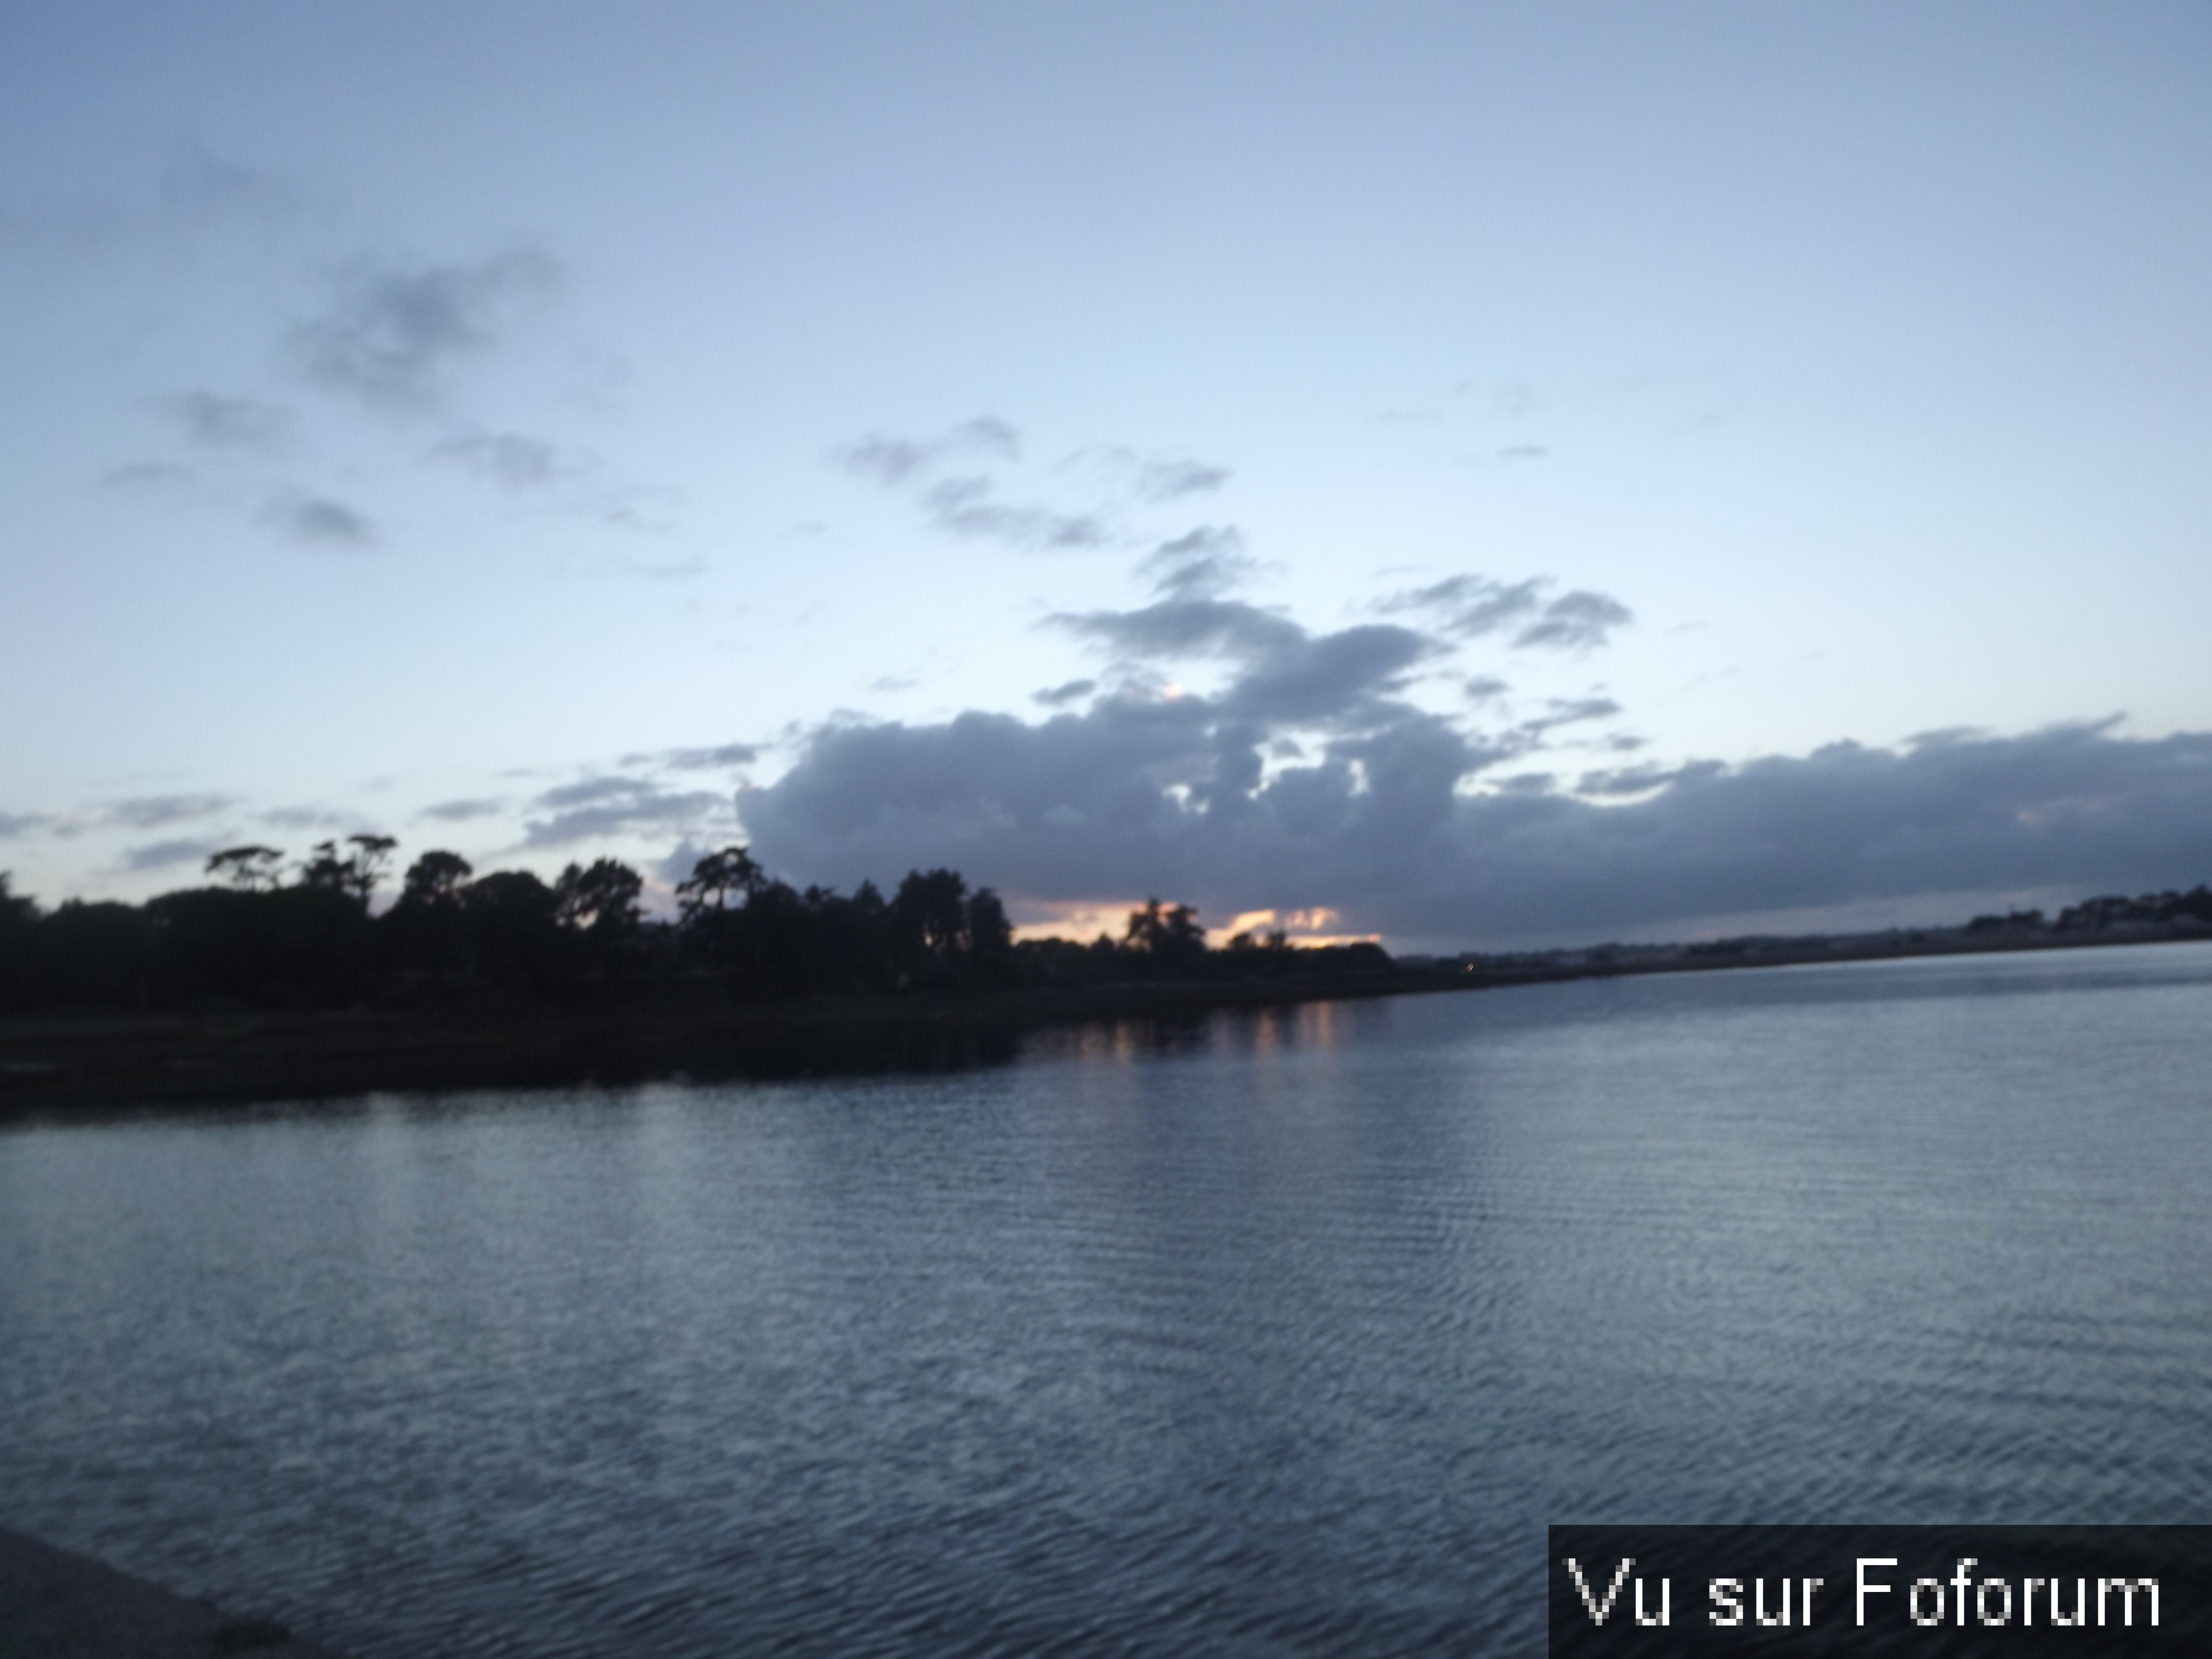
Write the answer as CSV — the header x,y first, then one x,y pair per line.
x,y
267,982
273,982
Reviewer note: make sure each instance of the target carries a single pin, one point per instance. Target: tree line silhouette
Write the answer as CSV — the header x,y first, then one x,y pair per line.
x,y
252,938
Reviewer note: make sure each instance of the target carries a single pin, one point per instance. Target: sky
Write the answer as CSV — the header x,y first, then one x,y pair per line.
x,y
1476,476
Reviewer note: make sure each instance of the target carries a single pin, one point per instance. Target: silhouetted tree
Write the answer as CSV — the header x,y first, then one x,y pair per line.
x,y
354,873
848,941
92,955
427,930
286,947
324,868
600,902
436,878
990,934
601,899
365,864
715,877
1171,936
710,924
249,869
512,928
930,913
19,919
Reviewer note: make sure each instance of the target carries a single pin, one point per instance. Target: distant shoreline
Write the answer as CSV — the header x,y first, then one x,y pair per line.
x,y
58,1065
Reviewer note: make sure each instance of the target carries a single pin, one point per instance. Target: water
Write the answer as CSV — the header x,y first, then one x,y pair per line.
x,y
1282,1334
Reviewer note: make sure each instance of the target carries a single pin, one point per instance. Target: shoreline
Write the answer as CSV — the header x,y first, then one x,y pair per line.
x,y
56,1604
62,1065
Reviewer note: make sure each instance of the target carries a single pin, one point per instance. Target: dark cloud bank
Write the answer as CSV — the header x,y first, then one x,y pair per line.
x,y
1311,777
1164,796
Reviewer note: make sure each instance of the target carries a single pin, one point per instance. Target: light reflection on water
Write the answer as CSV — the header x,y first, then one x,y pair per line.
x,y
1276,1332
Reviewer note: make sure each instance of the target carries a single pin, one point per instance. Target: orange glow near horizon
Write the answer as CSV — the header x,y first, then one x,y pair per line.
x,y
1084,921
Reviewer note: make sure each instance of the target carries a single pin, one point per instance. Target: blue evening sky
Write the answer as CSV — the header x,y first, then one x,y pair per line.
x,y
1475,474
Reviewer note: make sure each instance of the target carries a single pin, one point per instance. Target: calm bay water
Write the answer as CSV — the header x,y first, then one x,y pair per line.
x,y
1284,1333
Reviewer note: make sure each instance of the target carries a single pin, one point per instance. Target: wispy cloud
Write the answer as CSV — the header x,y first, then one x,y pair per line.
x,y
601,806
1474,607
1576,621
884,459
700,760
951,479
195,196
1570,711
167,854
966,507
309,818
319,521
153,811
463,811
507,459
213,421
131,813
147,477
1168,481
391,332
1203,563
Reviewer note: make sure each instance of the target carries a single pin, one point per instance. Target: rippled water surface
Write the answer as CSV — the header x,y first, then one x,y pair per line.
x,y
1281,1334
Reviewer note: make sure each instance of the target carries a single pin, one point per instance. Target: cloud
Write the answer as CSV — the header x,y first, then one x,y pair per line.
x,y
196,195
166,855
1475,606
1134,795
1522,453
133,812
1184,628
1167,481
1327,678
1643,780
1281,673
696,760
1059,696
392,332
1200,564
213,421
601,806
463,811
1170,796
886,461
1570,711
1576,621
197,187
1485,689
967,502
310,817
966,506
153,811
506,458
134,477
889,461
317,521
